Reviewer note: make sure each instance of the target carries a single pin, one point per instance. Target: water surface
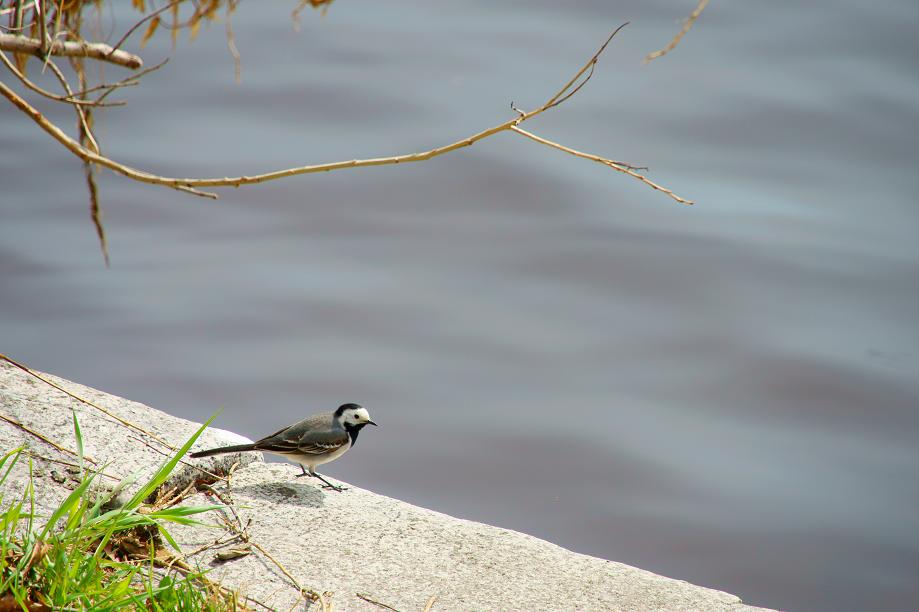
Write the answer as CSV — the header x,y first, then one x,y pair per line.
x,y
726,393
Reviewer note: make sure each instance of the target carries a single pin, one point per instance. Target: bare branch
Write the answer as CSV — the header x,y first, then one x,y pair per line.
x,y
88,156
69,100
43,438
561,96
130,81
81,114
43,28
201,194
99,51
95,210
133,28
17,16
676,39
618,166
124,422
191,184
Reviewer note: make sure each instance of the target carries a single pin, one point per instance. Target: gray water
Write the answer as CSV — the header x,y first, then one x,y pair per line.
x,y
726,393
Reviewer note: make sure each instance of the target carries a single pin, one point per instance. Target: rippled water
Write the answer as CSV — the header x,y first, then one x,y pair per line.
x,y
727,393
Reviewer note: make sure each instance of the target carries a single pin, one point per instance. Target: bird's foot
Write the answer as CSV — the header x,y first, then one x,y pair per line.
x,y
328,485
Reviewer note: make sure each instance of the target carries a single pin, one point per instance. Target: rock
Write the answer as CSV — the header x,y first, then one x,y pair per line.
x,y
350,543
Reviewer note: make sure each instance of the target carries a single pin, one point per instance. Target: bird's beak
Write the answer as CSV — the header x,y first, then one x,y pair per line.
x,y
369,422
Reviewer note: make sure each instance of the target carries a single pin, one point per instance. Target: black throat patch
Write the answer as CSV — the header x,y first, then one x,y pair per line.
x,y
353,430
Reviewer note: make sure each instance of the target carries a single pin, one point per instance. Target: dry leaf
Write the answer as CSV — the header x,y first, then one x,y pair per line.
x,y
154,24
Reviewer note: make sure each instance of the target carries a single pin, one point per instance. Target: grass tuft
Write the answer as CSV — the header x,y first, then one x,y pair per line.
x,y
94,552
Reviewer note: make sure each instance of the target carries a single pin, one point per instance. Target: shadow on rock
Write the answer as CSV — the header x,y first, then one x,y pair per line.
x,y
290,493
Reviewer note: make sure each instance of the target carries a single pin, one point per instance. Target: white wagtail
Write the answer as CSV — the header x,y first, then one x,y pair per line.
x,y
313,441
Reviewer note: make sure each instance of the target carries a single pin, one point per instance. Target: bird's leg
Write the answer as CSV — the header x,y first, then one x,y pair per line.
x,y
328,485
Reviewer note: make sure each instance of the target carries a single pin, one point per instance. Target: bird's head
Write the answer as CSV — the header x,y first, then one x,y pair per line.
x,y
353,415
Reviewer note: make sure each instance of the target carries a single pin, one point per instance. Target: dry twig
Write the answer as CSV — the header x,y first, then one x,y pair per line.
x,y
304,592
124,422
43,438
235,526
369,599
83,120
215,477
69,99
140,22
619,166
687,24
108,88
70,464
97,51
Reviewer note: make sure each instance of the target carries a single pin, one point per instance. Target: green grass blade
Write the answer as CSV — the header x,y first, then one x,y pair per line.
x,y
30,493
180,514
165,533
163,473
68,505
15,453
79,437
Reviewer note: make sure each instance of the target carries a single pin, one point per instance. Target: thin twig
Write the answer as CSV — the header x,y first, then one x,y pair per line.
x,y
181,567
17,16
368,599
556,99
70,464
86,132
236,527
124,422
216,477
130,81
28,430
88,156
95,210
227,501
314,595
221,541
68,99
85,401
175,498
141,22
43,28
676,39
618,166
430,604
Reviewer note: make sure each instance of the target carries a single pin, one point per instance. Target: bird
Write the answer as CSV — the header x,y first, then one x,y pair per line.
x,y
313,441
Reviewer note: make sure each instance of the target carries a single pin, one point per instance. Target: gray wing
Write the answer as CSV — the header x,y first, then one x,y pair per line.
x,y
321,442
316,435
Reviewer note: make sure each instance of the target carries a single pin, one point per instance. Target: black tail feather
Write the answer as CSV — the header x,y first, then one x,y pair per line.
x,y
226,449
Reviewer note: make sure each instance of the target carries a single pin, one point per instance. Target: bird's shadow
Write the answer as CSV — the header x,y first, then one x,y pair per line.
x,y
287,492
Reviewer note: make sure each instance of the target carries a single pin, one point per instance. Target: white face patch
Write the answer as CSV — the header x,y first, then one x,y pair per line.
x,y
356,417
